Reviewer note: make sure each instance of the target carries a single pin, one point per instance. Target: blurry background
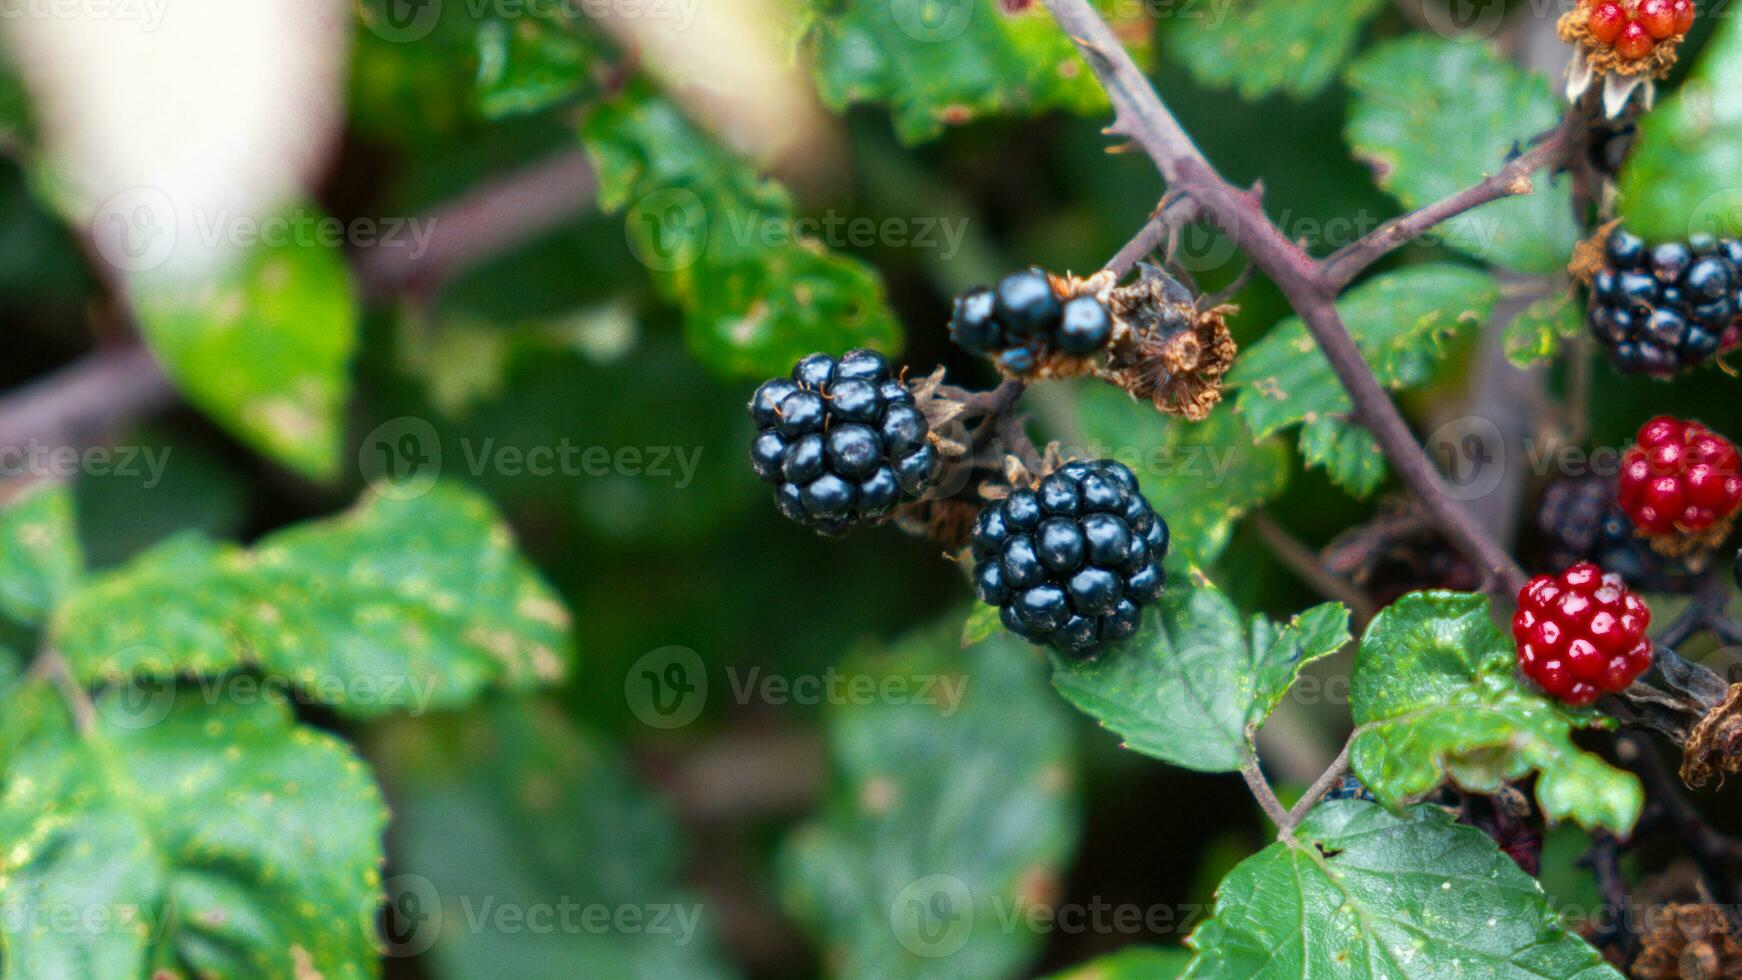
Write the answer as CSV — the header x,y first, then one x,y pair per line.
x,y
484,243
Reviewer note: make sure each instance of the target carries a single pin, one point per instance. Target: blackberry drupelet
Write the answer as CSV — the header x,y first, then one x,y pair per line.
x,y
1072,561
842,441
1666,308
1022,319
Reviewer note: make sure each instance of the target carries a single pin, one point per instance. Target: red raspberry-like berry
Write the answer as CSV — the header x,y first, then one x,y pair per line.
x,y
1581,634
1634,41
1658,16
1684,15
1680,479
1606,22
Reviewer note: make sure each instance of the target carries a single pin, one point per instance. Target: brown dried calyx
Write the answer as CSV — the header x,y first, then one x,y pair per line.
x,y
1689,942
1172,353
1714,745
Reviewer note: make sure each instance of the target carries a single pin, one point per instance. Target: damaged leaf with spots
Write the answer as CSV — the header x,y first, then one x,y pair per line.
x,y
214,838
395,605
263,344
40,556
946,808
1401,322
719,241
1262,47
1357,891
946,64
1436,698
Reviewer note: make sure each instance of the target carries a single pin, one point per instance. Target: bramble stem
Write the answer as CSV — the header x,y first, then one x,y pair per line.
x,y
1140,115
1324,784
1266,797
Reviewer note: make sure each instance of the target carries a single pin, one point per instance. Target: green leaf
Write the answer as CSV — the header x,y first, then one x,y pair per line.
x,y
263,346
1200,476
40,557
1535,335
1359,892
949,813
1401,322
1435,697
530,63
399,604
509,816
217,840
981,625
1682,178
1192,682
720,242
1132,963
1266,46
1434,116
938,63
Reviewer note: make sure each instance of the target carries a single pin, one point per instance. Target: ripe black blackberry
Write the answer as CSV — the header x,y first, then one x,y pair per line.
x,y
1665,308
1073,561
1582,521
1022,319
842,441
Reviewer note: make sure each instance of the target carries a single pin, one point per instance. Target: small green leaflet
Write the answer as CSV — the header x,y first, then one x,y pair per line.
x,y
263,344
397,605
937,63
40,557
1535,335
1360,892
719,241
1401,322
1682,178
1190,685
1267,46
468,791
1132,963
982,624
527,64
218,839
1203,476
948,816
1434,116
1435,697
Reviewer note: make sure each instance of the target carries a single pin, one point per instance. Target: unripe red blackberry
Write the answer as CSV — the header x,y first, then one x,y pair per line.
x,y
1680,484
1581,634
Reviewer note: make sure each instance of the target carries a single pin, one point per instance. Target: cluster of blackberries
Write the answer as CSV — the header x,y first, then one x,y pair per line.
x,y
1582,521
1072,562
1021,318
1666,308
842,442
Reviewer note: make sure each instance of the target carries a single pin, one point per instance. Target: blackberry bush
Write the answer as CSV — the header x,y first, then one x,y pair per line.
x,y
1072,561
1663,309
843,442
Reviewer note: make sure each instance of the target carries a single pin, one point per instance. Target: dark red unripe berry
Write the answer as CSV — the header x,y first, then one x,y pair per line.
x,y
1658,17
1679,478
1581,634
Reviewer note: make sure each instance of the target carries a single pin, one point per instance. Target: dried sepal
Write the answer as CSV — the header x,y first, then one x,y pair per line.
x,y
1588,255
949,521
1688,941
1714,746
1166,350
940,413
1694,548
